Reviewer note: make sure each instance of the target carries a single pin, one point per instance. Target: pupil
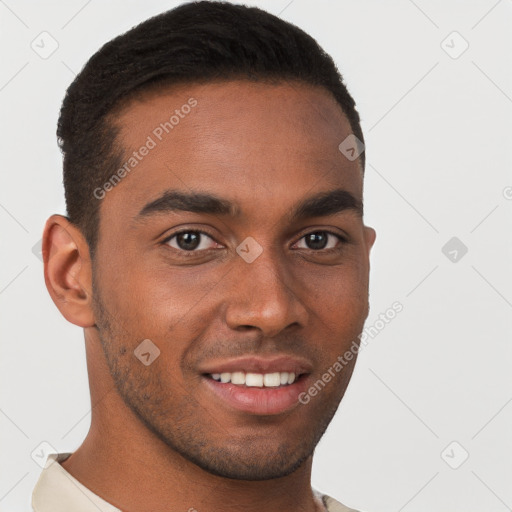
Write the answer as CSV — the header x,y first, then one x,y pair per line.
x,y
188,240
316,240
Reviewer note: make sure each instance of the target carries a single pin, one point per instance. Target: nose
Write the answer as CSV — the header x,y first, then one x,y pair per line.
x,y
264,296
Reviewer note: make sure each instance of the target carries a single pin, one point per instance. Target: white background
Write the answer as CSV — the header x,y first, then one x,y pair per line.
x,y
438,148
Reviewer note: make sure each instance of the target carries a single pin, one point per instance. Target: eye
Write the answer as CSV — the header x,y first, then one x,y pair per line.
x,y
190,241
322,240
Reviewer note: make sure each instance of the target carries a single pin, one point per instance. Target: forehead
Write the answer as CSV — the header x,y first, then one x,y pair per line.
x,y
240,140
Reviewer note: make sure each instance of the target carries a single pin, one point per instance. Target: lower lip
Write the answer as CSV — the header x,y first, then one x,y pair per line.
x,y
264,401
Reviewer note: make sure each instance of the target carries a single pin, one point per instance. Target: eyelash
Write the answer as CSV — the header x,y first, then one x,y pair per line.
x,y
341,239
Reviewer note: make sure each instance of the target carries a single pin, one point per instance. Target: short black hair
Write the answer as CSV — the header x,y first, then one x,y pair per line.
x,y
202,41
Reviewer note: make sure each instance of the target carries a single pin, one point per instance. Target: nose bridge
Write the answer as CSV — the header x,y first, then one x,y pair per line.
x,y
263,295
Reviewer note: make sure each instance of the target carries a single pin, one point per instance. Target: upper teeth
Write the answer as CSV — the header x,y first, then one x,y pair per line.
x,y
259,380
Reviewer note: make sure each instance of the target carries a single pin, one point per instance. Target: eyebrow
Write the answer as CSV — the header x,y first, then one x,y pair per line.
x,y
318,205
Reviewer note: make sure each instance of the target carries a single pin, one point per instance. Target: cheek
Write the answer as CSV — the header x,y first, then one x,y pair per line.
x,y
157,300
335,290
338,299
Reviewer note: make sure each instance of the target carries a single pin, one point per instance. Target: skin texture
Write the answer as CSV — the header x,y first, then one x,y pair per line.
x,y
159,439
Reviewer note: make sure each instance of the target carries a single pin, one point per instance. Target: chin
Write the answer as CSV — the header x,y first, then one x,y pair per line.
x,y
258,470
249,460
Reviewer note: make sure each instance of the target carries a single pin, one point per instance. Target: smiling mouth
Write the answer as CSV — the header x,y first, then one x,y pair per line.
x,y
256,393
257,380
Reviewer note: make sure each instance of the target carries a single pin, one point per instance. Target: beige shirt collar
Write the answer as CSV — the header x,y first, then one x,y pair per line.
x,y
58,491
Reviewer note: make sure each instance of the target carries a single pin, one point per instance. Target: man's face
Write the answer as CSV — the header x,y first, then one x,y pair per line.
x,y
210,308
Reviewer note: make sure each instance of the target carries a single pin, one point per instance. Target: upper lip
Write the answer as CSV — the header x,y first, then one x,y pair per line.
x,y
254,364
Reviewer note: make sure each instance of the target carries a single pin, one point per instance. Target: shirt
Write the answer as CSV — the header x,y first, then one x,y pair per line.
x,y
58,491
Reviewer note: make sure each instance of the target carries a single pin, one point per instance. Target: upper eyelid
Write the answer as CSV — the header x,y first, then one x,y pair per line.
x,y
341,238
167,238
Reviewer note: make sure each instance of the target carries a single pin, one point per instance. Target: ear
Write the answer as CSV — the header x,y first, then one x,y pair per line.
x,y
68,270
369,235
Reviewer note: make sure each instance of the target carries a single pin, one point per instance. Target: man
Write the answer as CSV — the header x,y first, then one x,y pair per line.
x,y
216,257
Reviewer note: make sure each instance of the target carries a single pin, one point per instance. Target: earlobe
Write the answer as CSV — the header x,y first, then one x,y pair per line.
x,y
67,270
